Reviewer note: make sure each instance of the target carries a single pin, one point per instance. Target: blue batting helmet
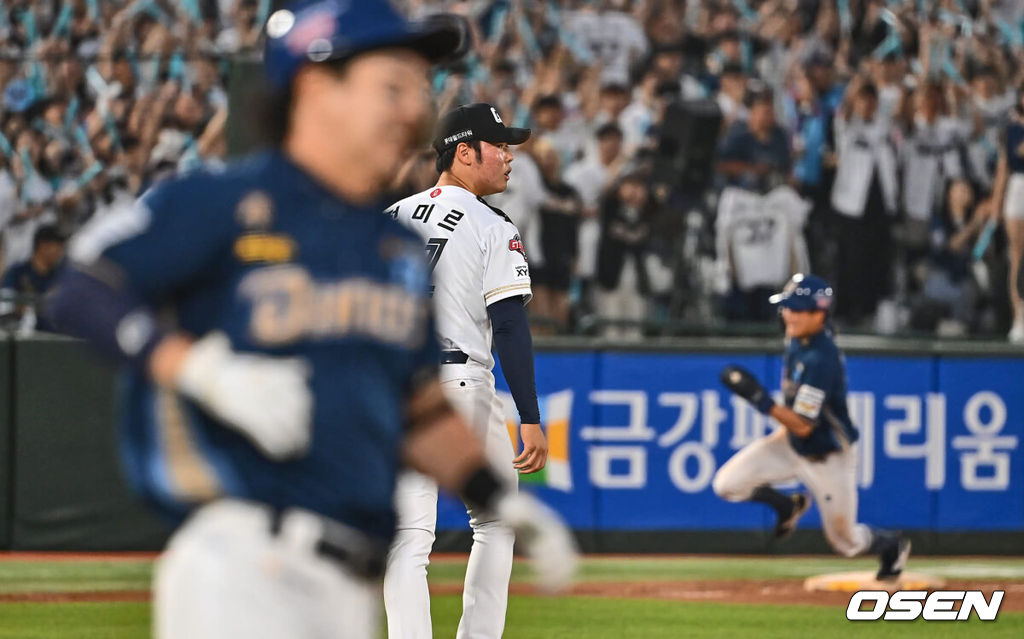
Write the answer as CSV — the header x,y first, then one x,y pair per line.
x,y
805,293
308,31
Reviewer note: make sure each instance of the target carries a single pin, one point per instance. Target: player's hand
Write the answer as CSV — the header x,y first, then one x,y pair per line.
x,y
742,382
545,538
267,399
535,449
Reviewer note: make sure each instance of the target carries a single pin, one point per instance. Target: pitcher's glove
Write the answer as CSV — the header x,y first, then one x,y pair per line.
x,y
742,382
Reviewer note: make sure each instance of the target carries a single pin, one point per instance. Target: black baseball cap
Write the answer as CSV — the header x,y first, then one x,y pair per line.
x,y
478,121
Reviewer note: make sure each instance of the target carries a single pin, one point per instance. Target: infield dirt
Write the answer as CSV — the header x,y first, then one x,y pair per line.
x,y
762,591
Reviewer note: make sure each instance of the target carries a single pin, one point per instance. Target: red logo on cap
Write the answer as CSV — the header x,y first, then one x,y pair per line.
x,y
435,193
314,26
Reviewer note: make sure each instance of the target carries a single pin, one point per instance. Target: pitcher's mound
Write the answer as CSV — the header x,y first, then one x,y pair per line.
x,y
865,580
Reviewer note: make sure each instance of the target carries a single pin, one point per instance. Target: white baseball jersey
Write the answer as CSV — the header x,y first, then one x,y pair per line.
x,y
477,257
760,236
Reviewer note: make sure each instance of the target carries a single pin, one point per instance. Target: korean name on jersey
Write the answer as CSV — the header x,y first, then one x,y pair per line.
x,y
477,258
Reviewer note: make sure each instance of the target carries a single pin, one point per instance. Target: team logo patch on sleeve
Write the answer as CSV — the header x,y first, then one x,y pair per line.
x,y
516,246
808,401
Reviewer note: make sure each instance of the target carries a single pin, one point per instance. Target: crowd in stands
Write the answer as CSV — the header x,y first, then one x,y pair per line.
x,y
878,143
99,99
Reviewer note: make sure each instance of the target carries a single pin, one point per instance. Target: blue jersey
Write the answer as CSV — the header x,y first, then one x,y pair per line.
x,y
22,279
1014,146
266,254
814,386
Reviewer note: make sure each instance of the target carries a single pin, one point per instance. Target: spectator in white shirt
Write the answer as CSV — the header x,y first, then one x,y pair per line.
x,y
613,36
986,114
930,160
549,120
864,196
732,93
636,119
888,74
591,176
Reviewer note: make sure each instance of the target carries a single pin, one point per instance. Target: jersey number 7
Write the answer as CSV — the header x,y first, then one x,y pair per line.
x,y
434,247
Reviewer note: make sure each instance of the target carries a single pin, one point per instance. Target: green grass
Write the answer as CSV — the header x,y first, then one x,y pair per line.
x,y
689,568
532,617
569,617
537,617
74,576
77,620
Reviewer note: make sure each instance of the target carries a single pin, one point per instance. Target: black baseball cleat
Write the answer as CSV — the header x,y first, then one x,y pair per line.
x,y
784,527
894,559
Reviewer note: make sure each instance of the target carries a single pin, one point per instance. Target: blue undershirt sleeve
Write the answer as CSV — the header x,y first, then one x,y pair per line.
x,y
87,303
514,345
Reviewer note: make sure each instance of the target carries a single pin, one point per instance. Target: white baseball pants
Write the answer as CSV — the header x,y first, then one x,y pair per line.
x,y
470,389
224,574
832,482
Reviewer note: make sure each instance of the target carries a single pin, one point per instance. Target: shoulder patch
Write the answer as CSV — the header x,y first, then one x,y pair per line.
x,y
516,246
435,193
808,401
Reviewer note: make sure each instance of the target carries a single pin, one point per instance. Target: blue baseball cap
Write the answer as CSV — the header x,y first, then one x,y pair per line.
x,y
805,293
310,31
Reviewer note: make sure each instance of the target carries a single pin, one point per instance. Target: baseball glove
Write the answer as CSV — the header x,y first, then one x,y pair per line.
x,y
742,382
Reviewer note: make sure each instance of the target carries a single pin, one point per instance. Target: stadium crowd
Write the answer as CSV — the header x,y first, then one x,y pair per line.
x,y
688,156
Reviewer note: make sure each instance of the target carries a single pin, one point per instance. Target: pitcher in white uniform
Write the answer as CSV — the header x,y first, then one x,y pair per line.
x,y
481,285
817,443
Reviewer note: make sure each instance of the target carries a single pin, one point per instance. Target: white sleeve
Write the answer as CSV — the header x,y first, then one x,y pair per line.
x,y
506,273
951,166
723,262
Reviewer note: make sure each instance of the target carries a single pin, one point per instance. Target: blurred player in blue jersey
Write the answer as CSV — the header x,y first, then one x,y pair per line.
x,y
279,347
817,443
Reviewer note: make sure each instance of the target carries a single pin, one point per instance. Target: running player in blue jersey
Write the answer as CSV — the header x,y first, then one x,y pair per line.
x,y
817,443
279,347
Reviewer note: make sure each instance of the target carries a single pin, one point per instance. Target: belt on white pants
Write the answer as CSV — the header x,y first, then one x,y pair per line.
x,y
337,542
342,545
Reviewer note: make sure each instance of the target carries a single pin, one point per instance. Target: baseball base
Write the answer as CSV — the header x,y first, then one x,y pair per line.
x,y
865,580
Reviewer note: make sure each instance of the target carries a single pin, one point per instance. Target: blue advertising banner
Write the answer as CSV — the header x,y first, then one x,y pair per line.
x,y
636,439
